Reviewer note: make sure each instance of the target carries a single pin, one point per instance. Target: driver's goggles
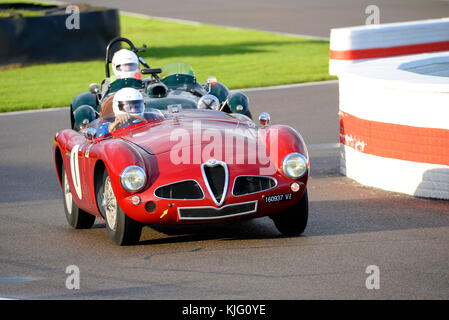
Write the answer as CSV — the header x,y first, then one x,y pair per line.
x,y
135,106
127,67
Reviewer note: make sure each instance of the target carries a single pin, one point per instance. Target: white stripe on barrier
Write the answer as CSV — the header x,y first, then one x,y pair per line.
x,y
389,35
352,44
412,178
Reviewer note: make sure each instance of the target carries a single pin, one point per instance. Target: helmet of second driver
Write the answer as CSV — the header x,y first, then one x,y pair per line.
x,y
125,64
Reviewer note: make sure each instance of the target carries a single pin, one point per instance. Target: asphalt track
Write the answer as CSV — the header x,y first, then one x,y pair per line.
x,y
307,17
350,226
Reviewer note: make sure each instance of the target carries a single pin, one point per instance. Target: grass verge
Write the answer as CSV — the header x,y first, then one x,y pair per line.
x,y
239,58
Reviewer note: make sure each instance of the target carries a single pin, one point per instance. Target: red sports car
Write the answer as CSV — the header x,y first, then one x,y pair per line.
x,y
180,167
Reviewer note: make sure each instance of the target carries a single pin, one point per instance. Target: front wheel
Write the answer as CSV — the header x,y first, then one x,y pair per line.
x,y
293,221
76,217
122,229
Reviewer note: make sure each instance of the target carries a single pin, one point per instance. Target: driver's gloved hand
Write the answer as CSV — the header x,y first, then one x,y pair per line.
x,y
122,118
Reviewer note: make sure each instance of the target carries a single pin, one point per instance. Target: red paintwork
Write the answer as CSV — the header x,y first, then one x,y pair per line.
x,y
149,146
396,141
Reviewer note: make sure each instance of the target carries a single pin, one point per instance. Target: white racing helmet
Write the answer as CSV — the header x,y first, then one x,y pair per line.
x,y
125,64
128,100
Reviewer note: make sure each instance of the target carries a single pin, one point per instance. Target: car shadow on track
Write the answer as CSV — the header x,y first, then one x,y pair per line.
x,y
248,229
260,228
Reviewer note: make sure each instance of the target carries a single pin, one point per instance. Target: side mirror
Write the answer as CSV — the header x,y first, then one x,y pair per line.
x,y
94,88
264,119
211,81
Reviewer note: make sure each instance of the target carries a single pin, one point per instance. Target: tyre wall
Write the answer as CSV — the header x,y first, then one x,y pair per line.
x,y
47,39
394,113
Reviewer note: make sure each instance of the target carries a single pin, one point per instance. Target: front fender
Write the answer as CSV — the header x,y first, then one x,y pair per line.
x,y
117,155
219,90
238,102
85,98
82,116
280,140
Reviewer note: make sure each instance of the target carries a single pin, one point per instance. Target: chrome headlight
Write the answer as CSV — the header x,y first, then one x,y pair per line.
x,y
208,101
294,165
133,178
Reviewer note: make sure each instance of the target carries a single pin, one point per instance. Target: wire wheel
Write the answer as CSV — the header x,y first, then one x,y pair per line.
x,y
121,229
110,204
76,217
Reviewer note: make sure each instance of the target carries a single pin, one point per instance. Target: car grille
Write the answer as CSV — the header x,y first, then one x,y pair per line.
x,y
215,174
251,184
216,213
183,190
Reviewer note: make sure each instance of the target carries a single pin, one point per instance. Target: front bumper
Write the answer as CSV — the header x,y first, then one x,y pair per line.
x,y
154,210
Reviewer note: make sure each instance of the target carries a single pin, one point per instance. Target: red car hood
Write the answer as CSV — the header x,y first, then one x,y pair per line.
x,y
168,135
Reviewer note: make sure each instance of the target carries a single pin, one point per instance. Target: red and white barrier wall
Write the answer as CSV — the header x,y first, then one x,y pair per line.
x,y
394,112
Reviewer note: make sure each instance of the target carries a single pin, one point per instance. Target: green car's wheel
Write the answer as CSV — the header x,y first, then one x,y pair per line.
x,y
76,217
293,222
72,118
122,229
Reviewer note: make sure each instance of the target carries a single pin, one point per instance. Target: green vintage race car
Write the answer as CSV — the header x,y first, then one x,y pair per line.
x,y
171,88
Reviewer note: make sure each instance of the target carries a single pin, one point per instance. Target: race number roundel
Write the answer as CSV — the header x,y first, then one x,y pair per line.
x,y
74,168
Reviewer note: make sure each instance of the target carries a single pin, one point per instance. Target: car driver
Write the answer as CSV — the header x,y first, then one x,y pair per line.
x,y
125,64
128,107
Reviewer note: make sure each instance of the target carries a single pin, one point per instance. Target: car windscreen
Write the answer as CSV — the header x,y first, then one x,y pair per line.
x,y
177,67
178,75
149,114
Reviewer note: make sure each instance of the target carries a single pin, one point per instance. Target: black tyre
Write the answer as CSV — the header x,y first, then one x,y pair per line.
x,y
293,222
121,229
72,118
76,217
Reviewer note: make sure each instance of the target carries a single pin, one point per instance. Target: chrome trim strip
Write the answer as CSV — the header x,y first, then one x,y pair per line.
x,y
212,163
242,195
218,209
166,185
